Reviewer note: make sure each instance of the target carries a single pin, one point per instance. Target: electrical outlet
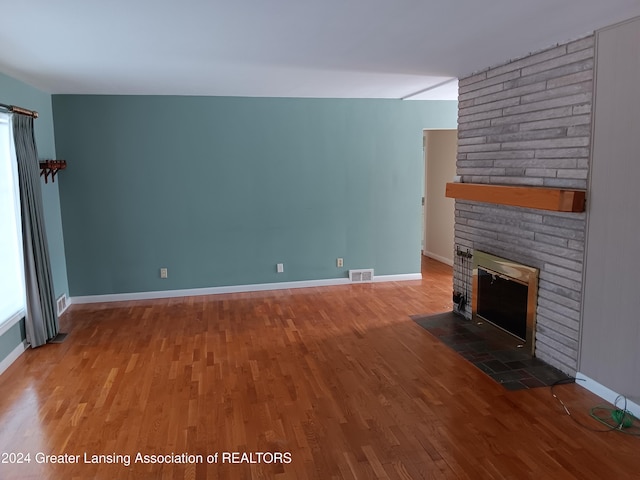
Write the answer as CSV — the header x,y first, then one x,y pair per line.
x,y
280,267
163,273
340,262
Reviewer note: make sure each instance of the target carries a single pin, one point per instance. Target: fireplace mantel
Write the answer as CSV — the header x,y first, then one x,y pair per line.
x,y
542,198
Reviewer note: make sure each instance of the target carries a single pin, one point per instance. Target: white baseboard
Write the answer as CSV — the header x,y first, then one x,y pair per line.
x,y
258,287
13,356
606,393
439,258
398,278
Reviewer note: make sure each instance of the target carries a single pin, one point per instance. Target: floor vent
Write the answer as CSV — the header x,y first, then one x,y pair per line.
x,y
59,338
61,303
360,276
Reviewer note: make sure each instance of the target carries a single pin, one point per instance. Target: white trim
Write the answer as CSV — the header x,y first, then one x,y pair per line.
x,y
258,287
6,326
606,393
122,297
13,356
440,258
398,278
431,87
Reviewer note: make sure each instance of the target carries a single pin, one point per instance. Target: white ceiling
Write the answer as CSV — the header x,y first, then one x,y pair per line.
x,y
281,48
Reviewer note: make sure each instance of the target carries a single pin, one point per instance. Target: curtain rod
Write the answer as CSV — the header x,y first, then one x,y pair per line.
x,y
20,110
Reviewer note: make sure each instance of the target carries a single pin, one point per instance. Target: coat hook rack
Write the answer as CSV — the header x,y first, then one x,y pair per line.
x,y
51,167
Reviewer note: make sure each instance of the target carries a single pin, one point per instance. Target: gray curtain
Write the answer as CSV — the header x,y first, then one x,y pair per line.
x,y
41,322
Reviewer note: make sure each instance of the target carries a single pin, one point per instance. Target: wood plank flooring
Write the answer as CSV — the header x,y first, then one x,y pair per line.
x,y
338,378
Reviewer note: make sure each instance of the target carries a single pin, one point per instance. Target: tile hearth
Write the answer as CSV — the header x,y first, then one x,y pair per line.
x,y
489,350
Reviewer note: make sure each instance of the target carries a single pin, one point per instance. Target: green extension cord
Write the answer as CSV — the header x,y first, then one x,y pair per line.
x,y
617,419
622,418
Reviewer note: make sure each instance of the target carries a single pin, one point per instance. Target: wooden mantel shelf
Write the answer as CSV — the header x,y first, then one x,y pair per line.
x,y
555,199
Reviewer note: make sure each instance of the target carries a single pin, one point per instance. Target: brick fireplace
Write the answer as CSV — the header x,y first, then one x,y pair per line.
x,y
528,123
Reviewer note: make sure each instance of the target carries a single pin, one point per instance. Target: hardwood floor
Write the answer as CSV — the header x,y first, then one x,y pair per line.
x,y
339,378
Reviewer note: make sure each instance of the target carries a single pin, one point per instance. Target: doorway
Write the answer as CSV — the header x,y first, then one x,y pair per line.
x,y
438,212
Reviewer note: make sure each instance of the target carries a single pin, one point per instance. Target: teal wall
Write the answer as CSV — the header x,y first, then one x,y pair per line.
x,y
14,92
10,339
218,190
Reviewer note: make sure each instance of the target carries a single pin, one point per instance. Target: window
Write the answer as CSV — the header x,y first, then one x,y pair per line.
x,y
12,293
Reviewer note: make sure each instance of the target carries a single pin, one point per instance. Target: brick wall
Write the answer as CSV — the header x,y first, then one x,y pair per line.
x,y
528,122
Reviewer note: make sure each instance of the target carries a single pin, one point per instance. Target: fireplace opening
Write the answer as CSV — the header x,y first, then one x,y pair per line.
x,y
505,295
